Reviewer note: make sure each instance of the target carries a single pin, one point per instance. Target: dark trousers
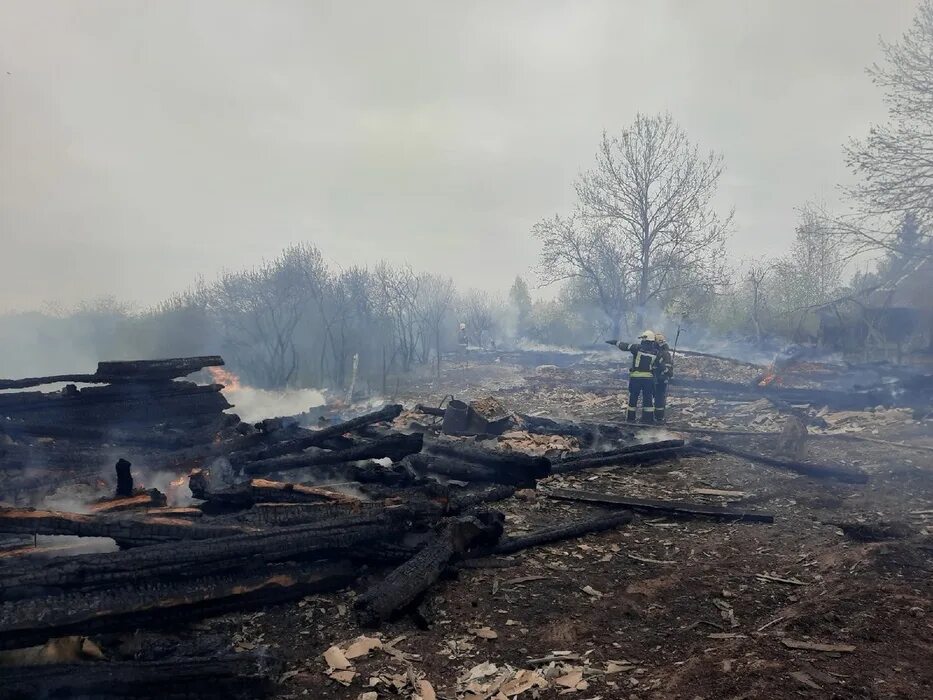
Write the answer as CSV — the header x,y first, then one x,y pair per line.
x,y
644,387
660,400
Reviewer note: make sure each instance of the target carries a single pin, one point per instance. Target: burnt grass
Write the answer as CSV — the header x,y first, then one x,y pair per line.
x,y
871,591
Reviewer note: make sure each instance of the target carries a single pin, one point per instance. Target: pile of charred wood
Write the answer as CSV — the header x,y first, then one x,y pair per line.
x,y
382,503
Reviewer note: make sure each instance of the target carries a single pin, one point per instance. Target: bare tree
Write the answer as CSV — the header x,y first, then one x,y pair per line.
x,y
436,296
259,310
582,250
755,276
398,290
477,308
646,214
895,161
654,189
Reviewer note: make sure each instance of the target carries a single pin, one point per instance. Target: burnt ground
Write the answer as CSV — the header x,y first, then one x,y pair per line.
x,y
694,621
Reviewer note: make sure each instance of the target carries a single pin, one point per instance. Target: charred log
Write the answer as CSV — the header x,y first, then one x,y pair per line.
x,y
822,471
124,479
406,583
264,490
394,447
634,454
140,500
130,530
246,676
154,603
200,557
511,545
319,437
509,467
153,370
692,510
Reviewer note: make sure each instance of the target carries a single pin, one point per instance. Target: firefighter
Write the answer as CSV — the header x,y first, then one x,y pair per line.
x,y
641,375
662,375
463,339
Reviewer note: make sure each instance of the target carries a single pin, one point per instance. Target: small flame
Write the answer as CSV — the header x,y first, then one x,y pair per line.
x,y
176,483
229,380
770,378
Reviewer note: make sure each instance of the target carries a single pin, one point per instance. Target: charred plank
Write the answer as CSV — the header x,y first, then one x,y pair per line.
x,y
822,471
394,447
696,510
406,583
155,603
246,676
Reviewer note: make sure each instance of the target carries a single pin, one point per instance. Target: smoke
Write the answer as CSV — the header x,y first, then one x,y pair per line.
x,y
253,404
69,545
654,435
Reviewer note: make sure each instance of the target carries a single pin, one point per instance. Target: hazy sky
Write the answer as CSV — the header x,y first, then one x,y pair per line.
x,y
144,143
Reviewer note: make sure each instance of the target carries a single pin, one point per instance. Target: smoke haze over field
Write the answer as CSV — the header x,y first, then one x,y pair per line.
x,y
145,143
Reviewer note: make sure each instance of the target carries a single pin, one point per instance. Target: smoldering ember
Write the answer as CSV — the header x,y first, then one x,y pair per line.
x,y
331,369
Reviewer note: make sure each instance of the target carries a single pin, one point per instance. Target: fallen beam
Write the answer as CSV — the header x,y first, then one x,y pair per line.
x,y
822,471
406,583
29,521
700,510
154,603
395,447
196,558
506,467
265,491
319,437
155,370
511,545
634,454
241,676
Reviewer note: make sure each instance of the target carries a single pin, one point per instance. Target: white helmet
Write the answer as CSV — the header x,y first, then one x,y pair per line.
x,y
462,326
646,335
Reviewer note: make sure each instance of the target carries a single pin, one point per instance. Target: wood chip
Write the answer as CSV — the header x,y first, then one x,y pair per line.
x,y
649,561
589,590
524,579
570,680
805,678
814,646
343,677
426,690
485,633
726,635
335,659
719,492
361,646
778,579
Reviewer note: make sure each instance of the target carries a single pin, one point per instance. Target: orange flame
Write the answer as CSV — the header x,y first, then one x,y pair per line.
x,y
229,380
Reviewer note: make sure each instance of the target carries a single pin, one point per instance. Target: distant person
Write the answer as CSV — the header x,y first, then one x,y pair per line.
x,y
462,338
662,375
641,375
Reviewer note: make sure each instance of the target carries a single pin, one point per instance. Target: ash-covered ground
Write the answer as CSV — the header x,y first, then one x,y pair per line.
x,y
832,600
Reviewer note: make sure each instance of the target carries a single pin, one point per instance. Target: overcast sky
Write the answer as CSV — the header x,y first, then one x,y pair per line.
x,y
145,143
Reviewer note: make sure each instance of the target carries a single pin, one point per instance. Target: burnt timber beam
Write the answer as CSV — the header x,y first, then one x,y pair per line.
x,y
822,471
406,583
395,447
238,676
155,603
694,510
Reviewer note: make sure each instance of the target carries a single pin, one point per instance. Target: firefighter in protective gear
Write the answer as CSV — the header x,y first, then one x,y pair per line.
x,y
641,375
662,375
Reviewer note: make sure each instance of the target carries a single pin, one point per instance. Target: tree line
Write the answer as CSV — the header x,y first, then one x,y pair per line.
x,y
645,241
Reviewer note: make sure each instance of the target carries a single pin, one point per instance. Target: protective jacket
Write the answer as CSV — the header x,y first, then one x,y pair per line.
x,y
664,369
645,358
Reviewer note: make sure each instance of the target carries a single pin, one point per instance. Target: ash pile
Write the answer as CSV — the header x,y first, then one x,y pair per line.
x,y
384,503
